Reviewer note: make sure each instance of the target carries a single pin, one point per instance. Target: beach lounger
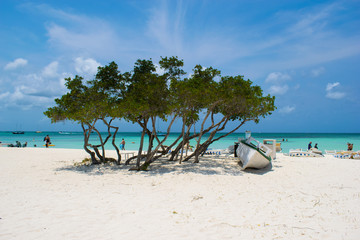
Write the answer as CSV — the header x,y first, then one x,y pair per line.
x,y
301,153
331,152
347,155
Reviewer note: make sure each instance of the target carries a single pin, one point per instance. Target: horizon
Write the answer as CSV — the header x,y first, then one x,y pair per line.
x,y
304,53
220,132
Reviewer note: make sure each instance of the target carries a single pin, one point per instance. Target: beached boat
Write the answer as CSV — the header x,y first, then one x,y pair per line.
x,y
253,154
272,144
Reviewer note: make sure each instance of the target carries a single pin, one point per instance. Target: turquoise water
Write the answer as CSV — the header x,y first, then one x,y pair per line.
x,y
74,140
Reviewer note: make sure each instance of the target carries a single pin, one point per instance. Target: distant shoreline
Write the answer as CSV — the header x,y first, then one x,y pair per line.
x,y
74,140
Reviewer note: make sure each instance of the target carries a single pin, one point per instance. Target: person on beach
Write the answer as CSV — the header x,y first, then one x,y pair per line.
x,y
122,144
47,141
187,147
350,146
316,146
309,146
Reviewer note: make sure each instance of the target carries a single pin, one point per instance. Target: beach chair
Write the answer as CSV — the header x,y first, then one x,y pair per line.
x,y
331,152
301,153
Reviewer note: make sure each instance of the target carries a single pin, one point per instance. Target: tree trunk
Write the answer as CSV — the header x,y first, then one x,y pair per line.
x,y
113,139
86,142
141,145
102,146
199,139
183,141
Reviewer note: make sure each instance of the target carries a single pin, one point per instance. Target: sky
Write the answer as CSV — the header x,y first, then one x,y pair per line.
x,y
305,53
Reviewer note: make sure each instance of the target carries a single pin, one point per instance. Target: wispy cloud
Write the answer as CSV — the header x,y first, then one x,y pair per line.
x,y
97,41
305,37
278,90
287,109
330,86
51,70
19,62
166,25
331,93
80,34
317,71
277,77
301,37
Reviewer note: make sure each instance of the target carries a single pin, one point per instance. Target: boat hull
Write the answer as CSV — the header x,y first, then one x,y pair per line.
x,y
251,158
18,132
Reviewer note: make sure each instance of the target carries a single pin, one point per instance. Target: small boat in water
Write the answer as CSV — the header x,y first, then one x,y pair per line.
x,y
253,154
160,134
61,132
18,132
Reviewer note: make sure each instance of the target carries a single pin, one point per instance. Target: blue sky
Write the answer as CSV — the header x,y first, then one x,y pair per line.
x,y
306,53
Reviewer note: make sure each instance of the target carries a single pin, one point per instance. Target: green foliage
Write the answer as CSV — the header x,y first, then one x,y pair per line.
x,y
144,94
239,100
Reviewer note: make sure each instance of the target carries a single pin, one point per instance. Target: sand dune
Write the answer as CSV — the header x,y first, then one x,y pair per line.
x,y
44,196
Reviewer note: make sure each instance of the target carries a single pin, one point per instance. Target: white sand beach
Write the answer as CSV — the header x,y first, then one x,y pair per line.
x,y
44,196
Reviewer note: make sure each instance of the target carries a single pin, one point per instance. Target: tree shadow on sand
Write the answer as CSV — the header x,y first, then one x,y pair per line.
x,y
100,169
206,166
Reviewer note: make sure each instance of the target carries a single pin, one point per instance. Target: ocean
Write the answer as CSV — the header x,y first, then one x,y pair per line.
x,y
74,140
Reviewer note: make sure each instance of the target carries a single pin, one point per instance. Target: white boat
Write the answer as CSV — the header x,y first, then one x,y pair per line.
x,y
253,154
273,145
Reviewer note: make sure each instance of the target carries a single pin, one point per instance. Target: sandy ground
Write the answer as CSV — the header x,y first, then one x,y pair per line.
x,y
44,196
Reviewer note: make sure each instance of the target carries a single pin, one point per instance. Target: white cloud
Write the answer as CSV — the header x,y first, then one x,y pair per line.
x,y
51,70
335,95
278,90
41,85
166,27
330,93
287,109
87,66
37,89
277,77
313,21
159,70
19,62
90,37
330,86
4,95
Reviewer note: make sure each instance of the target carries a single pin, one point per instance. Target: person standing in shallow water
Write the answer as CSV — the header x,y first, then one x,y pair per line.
x,y
309,146
122,144
47,141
